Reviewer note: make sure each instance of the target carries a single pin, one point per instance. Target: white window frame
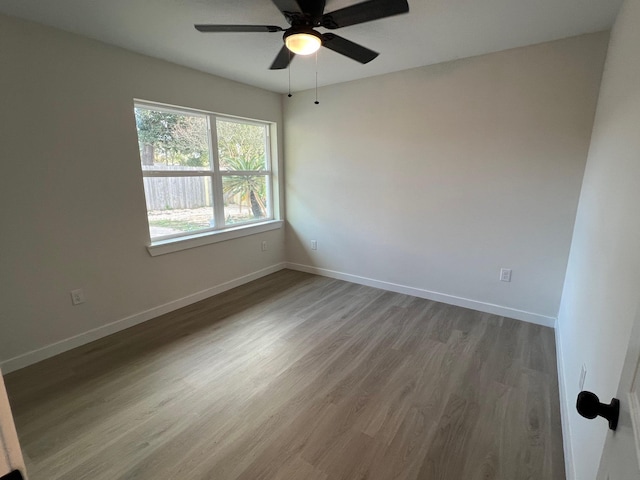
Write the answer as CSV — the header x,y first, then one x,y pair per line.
x,y
219,232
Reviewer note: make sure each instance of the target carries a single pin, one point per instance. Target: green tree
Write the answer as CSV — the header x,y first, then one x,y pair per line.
x,y
172,138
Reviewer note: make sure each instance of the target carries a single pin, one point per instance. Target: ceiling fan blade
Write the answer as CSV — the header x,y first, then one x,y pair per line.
x,y
238,28
364,12
348,48
283,59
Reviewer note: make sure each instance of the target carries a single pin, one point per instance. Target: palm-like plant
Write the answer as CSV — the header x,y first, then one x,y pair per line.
x,y
242,149
247,187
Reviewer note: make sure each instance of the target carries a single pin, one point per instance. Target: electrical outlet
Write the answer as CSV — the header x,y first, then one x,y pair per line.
x,y
505,274
77,296
314,244
583,376
263,246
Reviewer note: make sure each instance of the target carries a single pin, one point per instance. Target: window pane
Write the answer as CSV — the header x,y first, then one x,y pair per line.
x,y
178,204
172,141
245,198
241,146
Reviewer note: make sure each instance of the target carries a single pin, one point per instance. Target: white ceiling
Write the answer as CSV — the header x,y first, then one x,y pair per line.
x,y
433,31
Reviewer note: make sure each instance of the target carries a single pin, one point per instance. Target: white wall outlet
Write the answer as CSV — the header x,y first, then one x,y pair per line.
x,y
263,246
583,376
314,244
77,296
505,274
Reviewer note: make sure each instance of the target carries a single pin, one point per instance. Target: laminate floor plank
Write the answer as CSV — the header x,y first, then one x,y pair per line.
x,y
295,376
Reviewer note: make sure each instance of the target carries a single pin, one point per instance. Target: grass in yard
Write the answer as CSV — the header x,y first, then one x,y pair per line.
x,y
180,225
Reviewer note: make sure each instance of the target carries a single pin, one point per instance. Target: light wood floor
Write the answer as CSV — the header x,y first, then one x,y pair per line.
x,y
296,376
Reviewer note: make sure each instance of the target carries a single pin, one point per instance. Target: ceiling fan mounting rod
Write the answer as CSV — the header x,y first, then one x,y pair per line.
x,y
302,20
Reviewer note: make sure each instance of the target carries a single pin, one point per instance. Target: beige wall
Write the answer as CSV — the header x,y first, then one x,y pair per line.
x,y
602,287
73,210
434,178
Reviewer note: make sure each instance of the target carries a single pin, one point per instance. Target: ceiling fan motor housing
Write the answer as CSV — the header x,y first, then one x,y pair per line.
x,y
301,29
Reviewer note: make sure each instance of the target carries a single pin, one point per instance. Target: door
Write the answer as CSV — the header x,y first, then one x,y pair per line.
x,y
621,455
10,453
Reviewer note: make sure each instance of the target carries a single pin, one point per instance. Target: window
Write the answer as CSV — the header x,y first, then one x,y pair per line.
x,y
202,172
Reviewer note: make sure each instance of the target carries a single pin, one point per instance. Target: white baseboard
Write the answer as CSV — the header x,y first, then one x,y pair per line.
x,y
43,353
564,408
429,295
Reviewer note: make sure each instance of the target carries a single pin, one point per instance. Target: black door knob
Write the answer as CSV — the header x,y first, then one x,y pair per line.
x,y
589,406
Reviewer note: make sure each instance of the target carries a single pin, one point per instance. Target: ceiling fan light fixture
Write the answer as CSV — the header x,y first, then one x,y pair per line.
x,y
303,43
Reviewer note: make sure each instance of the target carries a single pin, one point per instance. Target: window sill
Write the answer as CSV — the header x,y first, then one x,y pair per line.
x,y
162,247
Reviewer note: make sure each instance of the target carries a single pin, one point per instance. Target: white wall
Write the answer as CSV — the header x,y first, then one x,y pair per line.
x,y
434,178
602,286
73,209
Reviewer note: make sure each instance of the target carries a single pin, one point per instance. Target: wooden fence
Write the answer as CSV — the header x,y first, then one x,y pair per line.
x,y
177,192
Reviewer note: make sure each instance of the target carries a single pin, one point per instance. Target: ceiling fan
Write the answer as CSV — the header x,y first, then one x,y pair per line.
x,y
304,16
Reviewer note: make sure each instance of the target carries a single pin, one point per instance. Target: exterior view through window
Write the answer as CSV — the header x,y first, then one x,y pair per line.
x,y
202,172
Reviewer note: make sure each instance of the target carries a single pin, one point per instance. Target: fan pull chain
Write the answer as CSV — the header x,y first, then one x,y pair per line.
x,y
316,102
289,69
